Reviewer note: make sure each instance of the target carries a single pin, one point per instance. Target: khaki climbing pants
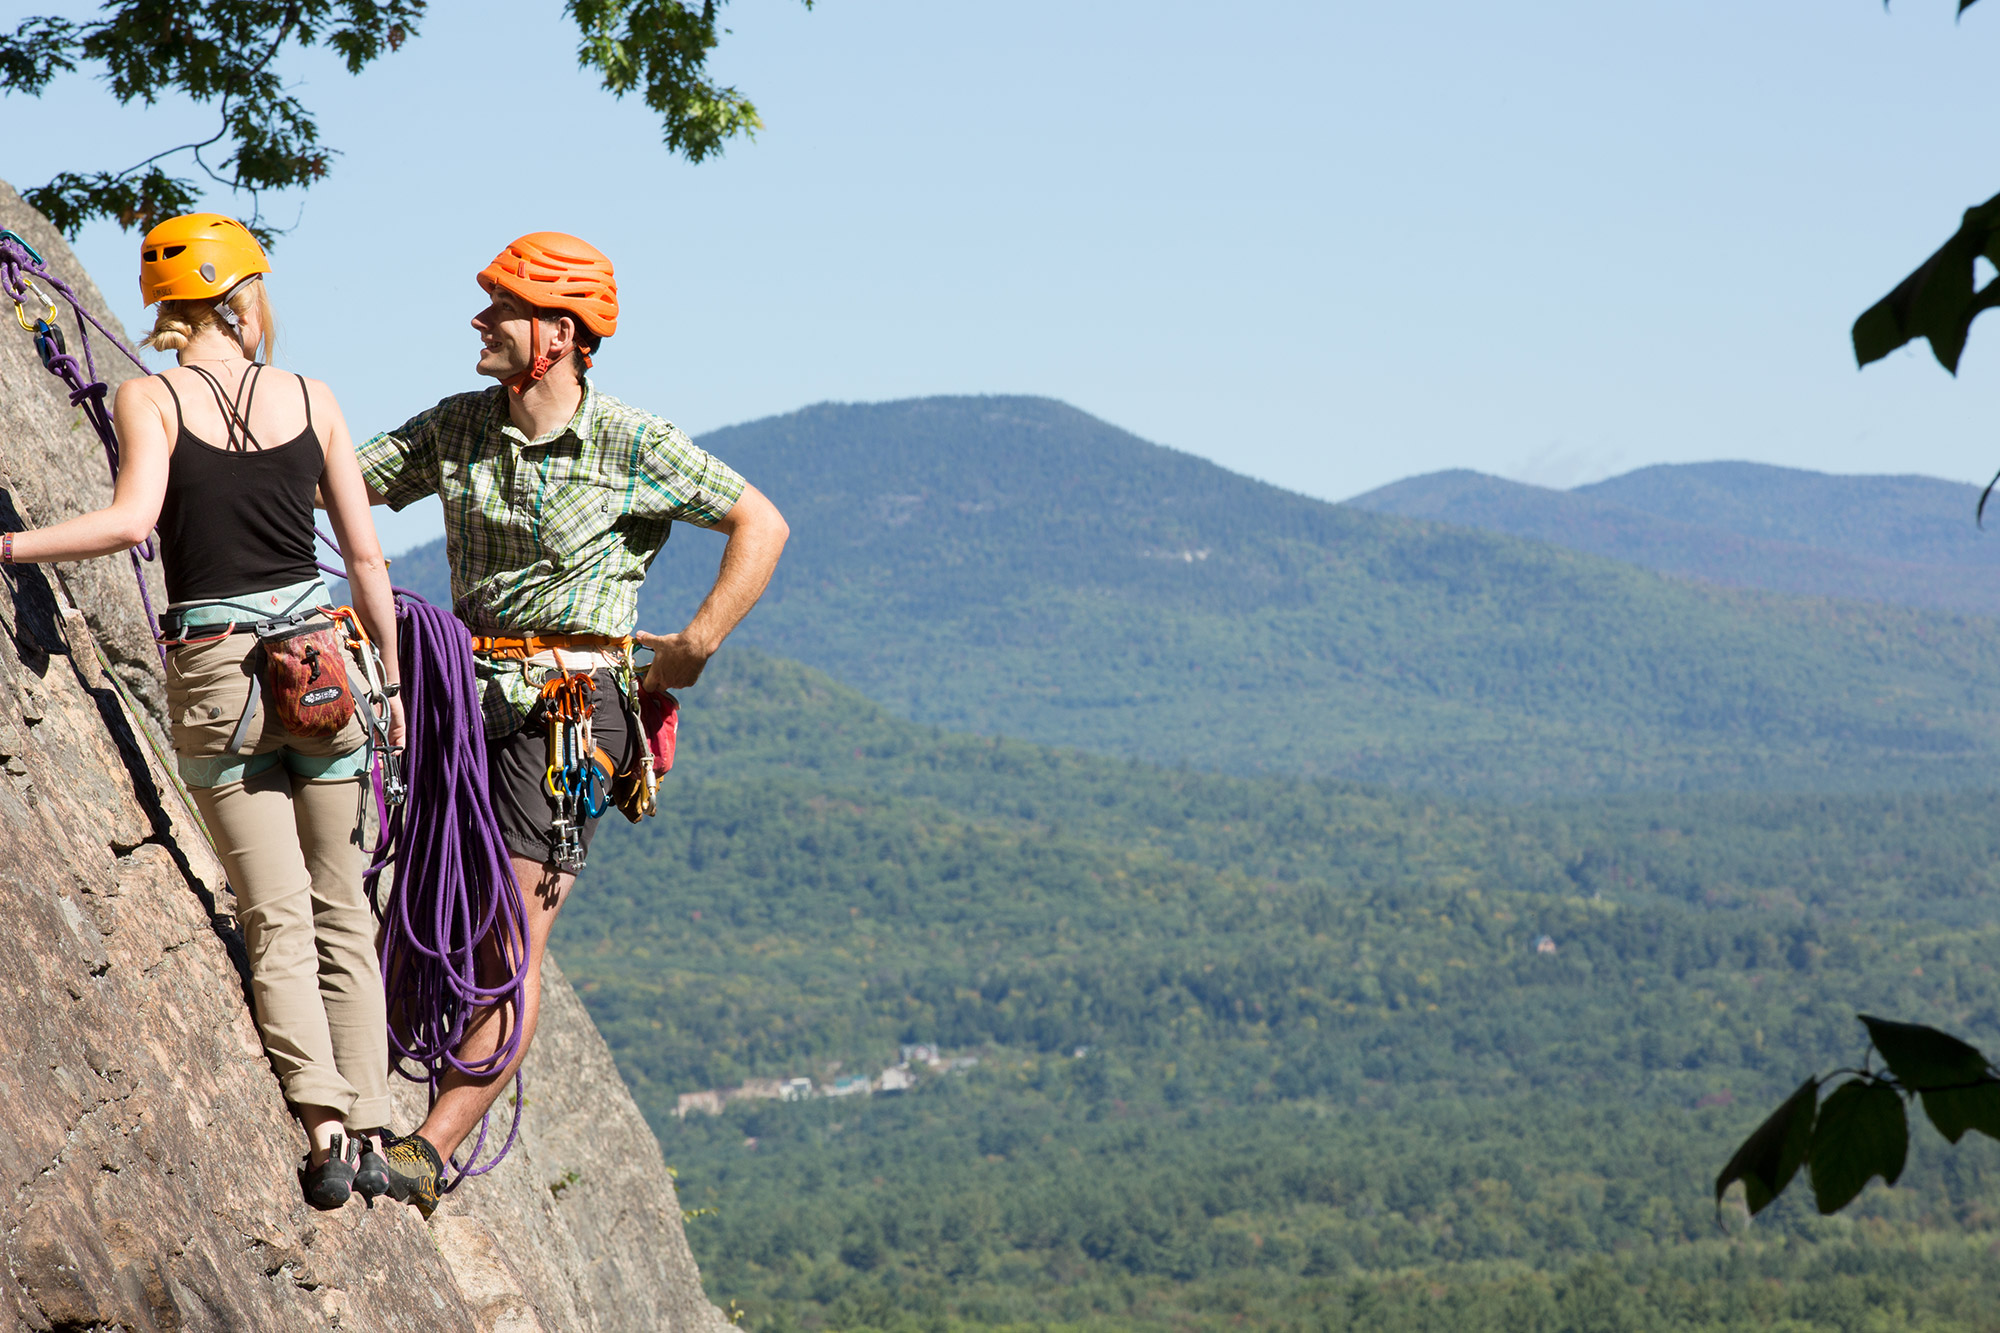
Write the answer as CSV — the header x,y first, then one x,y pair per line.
x,y
283,817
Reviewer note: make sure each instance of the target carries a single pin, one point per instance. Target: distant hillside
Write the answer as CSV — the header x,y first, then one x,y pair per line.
x,y
1013,566
1251,1047
1909,541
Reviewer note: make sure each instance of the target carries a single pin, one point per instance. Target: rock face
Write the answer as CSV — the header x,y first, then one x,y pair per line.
x,y
147,1160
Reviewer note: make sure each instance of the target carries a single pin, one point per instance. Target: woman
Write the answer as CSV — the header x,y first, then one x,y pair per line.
x,y
225,454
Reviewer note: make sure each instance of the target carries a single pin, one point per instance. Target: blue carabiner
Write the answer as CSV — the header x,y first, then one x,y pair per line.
x,y
594,802
22,241
49,342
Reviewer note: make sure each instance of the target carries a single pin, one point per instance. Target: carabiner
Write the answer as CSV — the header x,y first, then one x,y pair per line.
x,y
22,241
49,342
21,307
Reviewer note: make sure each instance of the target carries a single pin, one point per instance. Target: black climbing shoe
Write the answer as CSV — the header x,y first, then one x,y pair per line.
x,y
329,1183
371,1174
415,1172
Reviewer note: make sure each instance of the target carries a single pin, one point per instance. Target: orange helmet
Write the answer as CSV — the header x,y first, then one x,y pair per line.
x,y
196,256
551,270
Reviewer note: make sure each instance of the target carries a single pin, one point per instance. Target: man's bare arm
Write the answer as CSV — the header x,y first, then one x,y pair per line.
x,y
757,533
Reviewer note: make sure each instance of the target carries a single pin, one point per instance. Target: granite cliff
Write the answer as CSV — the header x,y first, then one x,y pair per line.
x,y
147,1162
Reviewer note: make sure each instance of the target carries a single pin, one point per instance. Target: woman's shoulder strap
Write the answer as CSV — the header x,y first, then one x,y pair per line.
x,y
180,418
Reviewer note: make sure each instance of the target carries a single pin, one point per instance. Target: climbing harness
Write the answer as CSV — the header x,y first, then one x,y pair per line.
x,y
652,714
20,265
519,648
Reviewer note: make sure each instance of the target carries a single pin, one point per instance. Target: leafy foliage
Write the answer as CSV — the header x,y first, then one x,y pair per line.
x,y
225,52
1861,1130
1860,1133
1769,1158
220,51
664,45
1330,1080
1938,301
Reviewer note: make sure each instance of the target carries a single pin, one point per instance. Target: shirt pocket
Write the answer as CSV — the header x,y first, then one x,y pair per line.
x,y
577,517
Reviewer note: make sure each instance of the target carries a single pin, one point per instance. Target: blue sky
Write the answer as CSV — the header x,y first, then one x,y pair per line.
x,y
1329,245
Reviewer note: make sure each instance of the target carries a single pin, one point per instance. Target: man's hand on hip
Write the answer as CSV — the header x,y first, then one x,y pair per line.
x,y
677,660
757,533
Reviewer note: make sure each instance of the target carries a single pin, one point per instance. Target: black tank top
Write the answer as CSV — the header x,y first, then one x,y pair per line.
x,y
239,519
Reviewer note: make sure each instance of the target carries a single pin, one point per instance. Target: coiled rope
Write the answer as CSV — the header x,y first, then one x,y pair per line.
x,y
455,906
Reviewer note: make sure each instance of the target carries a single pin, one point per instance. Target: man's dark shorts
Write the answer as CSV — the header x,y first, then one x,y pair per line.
x,y
518,764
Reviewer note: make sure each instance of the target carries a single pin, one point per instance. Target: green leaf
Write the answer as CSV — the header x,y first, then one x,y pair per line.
x,y
1771,1156
1861,1133
1937,301
1955,1110
1922,1057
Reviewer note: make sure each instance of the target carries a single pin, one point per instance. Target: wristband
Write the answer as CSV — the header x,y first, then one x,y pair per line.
x,y
6,548
392,689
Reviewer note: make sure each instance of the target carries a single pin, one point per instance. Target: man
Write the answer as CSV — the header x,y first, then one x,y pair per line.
x,y
556,499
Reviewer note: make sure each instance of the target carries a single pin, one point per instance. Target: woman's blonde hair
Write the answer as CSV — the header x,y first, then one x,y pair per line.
x,y
178,322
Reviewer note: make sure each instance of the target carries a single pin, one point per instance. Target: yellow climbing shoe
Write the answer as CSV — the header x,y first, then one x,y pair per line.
x,y
415,1172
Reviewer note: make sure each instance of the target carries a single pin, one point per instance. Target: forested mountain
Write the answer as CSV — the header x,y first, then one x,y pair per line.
x,y
1012,566
1910,541
1332,1078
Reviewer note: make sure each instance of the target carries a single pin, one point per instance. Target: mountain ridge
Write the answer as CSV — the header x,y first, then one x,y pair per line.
x,y
1012,566
1898,540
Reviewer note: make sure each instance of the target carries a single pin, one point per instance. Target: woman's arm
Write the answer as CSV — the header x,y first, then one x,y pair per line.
x,y
367,572
143,454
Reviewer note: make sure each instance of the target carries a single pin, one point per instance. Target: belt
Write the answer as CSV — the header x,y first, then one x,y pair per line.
x,y
521,647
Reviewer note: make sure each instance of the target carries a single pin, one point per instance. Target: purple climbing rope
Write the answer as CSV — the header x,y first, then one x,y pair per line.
x,y
20,268
455,907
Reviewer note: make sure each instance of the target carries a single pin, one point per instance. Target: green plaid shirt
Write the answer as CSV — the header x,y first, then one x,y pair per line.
x,y
552,535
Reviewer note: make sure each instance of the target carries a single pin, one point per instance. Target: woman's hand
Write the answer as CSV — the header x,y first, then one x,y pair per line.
x,y
397,731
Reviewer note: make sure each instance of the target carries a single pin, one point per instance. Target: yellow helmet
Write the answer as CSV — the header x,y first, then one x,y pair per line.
x,y
196,256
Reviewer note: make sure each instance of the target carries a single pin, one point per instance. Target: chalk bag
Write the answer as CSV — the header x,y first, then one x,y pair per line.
x,y
305,676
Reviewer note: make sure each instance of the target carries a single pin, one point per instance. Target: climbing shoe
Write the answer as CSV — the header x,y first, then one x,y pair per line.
x,y
329,1183
415,1172
371,1173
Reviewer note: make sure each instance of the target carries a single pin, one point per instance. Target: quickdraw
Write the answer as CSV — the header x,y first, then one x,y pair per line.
x,y
579,774
20,264
49,342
